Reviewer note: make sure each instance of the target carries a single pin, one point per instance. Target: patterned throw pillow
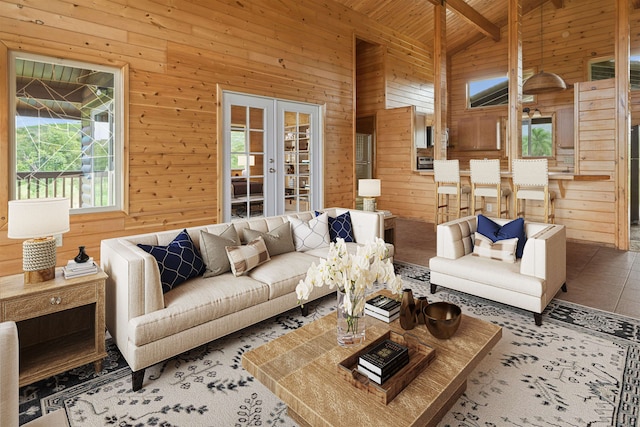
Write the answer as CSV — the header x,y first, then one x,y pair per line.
x,y
178,261
502,250
495,232
244,258
340,227
213,252
310,235
278,241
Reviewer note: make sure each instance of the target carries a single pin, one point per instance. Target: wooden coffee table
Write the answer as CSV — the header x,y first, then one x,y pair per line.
x,y
301,369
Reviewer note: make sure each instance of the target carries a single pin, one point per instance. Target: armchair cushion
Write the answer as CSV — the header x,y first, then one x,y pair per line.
x,y
501,250
496,232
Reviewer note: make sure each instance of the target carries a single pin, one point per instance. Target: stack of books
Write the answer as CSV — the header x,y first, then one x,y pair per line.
x,y
383,308
77,269
383,360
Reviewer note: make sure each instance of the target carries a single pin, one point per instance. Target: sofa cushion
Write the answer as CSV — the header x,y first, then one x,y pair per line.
x,y
283,272
245,257
178,261
502,250
196,302
499,274
310,234
496,232
212,247
278,241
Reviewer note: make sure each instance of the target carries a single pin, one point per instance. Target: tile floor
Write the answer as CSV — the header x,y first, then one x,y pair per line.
x,y
597,276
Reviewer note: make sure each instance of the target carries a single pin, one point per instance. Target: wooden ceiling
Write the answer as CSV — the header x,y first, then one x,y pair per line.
x,y
468,21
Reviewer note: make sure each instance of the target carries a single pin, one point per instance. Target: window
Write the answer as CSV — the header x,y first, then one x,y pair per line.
x,y
492,91
601,69
67,132
537,137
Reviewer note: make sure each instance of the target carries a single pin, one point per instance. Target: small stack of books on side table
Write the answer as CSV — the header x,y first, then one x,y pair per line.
x,y
383,308
383,360
78,269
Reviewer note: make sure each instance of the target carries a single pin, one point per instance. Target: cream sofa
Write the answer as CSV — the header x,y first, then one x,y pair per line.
x,y
529,283
149,326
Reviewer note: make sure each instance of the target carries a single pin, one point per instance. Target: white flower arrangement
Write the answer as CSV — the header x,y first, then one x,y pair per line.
x,y
351,274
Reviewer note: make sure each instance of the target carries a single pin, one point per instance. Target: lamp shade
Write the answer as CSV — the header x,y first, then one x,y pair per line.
x,y
369,187
543,82
32,218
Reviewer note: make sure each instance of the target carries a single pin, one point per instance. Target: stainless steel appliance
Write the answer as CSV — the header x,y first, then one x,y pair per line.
x,y
425,162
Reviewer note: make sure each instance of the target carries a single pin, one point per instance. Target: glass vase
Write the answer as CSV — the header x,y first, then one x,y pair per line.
x,y
351,319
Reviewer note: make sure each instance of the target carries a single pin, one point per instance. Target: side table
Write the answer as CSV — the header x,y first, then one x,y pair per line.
x,y
60,322
390,229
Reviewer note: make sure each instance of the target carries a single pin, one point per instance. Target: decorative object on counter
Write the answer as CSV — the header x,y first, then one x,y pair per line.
x,y
27,220
369,189
352,274
442,319
82,255
543,82
407,310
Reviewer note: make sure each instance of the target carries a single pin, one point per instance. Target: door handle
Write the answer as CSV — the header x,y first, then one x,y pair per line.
x,y
272,170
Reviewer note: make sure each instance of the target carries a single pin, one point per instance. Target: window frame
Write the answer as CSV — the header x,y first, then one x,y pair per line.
x,y
552,155
611,59
120,74
526,99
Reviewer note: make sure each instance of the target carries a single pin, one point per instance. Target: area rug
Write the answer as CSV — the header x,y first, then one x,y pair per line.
x,y
580,368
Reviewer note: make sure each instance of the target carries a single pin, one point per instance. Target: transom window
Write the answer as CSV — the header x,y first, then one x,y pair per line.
x,y
67,132
492,91
602,69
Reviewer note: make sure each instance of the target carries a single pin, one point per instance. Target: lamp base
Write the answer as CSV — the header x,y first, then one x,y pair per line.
x,y
38,276
369,204
39,259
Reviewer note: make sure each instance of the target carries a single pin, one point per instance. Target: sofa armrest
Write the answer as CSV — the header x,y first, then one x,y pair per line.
x,y
454,239
545,255
133,286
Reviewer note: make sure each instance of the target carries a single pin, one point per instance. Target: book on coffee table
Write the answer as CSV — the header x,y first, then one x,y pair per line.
x,y
382,317
380,379
383,305
384,358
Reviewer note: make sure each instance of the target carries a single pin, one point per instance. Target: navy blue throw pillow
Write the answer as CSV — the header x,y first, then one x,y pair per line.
x,y
178,261
496,232
340,227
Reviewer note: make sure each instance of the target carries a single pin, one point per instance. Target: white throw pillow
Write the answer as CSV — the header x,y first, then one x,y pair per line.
x,y
502,250
310,235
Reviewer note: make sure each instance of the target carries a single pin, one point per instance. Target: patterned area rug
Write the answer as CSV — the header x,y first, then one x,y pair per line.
x,y
580,368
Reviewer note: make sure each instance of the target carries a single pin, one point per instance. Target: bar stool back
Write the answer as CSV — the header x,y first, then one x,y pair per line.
x,y
446,175
531,182
486,182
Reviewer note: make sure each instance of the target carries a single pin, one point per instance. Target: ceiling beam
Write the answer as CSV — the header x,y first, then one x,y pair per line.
x,y
475,18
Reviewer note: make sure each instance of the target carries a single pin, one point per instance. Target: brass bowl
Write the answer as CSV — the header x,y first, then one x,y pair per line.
x,y
442,319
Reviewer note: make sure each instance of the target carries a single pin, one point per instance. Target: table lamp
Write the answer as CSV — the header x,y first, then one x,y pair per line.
x,y
38,220
369,189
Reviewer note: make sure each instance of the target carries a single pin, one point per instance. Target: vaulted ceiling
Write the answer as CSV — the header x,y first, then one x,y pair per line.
x,y
468,21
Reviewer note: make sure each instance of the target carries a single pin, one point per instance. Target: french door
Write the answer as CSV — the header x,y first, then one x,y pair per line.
x,y
272,156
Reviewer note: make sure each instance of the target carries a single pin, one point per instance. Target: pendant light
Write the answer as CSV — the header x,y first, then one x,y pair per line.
x,y
543,82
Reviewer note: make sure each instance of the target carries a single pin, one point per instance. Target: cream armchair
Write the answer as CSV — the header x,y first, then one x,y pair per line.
x,y
9,388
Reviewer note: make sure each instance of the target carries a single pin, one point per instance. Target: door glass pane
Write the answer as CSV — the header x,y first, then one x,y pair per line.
x,y
297,156
247,160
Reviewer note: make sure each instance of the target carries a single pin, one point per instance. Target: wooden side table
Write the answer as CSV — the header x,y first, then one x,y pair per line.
x,y
60,322
390,229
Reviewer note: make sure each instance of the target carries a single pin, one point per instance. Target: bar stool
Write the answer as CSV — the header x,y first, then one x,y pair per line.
x,y
486,182
447,178
531,182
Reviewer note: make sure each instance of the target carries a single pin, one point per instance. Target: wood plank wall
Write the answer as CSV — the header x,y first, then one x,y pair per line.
x,y
180,55
578,32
